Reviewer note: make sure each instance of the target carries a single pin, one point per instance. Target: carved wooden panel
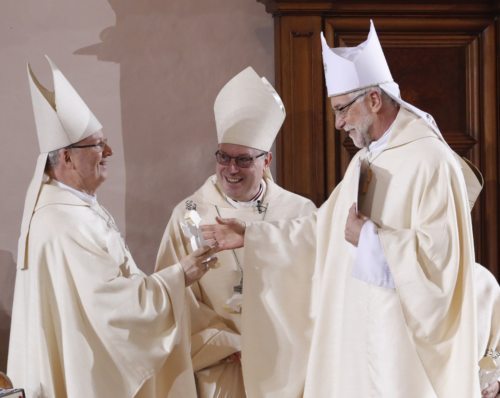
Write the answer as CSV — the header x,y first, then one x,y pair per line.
x,y
303,131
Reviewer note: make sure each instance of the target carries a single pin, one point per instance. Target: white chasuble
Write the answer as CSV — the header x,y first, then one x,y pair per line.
x,y
217,332
418,340
87,322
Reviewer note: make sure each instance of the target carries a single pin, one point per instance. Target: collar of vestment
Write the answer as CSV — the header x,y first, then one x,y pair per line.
x,y
406,128
210,194
53,194
378,146
90,199
255,201
414,127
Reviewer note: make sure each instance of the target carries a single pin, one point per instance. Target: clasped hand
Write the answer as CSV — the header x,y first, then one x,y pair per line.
x,y
353,225
196,264
226,234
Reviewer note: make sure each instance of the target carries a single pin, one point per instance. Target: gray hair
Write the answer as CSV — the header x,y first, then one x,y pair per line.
x,y
385,97
52,159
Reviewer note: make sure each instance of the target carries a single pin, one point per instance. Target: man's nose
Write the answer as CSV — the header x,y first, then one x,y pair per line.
x,y
107,150
233,167
339,122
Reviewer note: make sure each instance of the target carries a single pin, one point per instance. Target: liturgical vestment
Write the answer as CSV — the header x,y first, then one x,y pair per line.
x,y
419,339
86,321
272,346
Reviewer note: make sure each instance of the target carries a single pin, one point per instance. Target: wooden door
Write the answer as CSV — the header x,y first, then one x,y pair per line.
x,y
445,67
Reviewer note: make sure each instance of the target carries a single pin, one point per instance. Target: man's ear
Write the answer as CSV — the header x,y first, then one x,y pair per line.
x,y
66,156
269,159
375,100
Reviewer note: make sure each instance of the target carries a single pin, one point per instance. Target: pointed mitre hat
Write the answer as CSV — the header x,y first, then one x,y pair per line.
x,y
248,111
349,69
61,119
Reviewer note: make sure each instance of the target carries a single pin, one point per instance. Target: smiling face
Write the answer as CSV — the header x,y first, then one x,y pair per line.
x,y
356,119
241,183
88,162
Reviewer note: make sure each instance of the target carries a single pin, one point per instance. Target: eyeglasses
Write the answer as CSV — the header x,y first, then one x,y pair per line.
x,y
341,111
241,161
99,147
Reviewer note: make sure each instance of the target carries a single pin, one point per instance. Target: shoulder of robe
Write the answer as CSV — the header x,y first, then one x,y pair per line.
x,y
60,222
60,214
284,196
199,197
427,152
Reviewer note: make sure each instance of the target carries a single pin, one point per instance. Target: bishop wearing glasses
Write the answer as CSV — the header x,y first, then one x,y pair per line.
x,y
231,345
393,295
86,321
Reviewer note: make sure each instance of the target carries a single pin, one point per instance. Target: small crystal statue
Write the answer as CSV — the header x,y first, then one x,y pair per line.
x,y
489,368
191,227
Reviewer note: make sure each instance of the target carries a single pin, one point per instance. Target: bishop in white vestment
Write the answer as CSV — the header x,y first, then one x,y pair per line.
x,y
86,321
232,308
393,297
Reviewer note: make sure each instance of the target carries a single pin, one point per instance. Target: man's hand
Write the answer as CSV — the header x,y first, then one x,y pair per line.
x,y
491,391
196,264
353,225
228,233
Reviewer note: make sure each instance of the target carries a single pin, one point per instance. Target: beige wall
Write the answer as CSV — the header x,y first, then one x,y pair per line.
x,y
150,71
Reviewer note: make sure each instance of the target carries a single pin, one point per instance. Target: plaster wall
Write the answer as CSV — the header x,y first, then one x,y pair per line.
x,y
150,71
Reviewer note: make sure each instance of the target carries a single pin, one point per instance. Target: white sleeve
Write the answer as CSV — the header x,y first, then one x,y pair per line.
x,y
370,264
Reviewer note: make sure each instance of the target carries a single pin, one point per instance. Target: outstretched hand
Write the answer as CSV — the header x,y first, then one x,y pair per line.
x,y
228,233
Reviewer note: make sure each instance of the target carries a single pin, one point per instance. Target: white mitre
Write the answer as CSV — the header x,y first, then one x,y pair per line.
x,y
349,69
248,111
62,119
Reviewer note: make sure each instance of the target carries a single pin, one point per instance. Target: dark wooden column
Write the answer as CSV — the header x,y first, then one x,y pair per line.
x,y
301,83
